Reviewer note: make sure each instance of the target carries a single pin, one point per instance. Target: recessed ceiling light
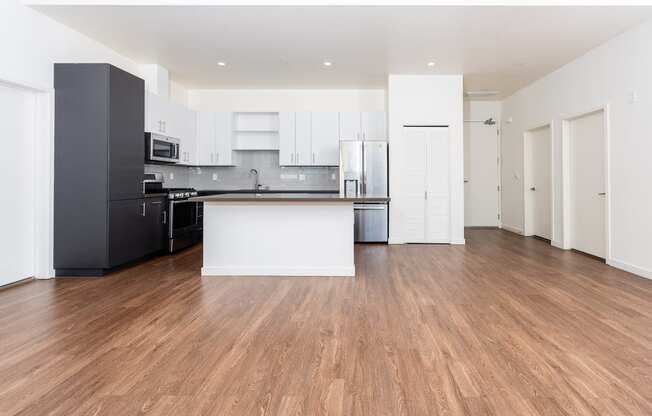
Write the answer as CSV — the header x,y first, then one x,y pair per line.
x,y
221,63
328,63
431,63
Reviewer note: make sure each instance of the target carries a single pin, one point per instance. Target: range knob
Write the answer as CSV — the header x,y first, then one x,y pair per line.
x,y
187,194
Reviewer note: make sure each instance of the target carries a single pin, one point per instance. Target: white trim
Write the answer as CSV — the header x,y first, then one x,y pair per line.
x,y
566,176
639,271
557,243
458,242
279,271
512,229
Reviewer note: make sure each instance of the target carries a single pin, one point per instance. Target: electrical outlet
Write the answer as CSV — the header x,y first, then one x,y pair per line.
x,y
332,176
302,177
171,176
214,176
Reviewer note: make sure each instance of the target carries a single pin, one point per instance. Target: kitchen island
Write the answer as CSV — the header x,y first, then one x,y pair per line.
x,y
268,234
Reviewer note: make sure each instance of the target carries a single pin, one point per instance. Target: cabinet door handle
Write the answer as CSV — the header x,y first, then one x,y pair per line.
x,y
165,217
291,158
217,157
313,158
143,206
297,161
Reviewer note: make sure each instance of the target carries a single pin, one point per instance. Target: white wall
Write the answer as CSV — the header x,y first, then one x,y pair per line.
x,y
482,110
434,100
606,76
287,100
30,44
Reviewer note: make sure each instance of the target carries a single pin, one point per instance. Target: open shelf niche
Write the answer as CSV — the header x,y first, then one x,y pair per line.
x,y
255,131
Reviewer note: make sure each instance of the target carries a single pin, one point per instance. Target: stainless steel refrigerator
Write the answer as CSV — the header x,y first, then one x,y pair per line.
x,y
363,172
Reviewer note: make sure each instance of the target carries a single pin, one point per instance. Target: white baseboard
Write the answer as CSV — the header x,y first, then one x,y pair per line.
x,y
512,229
558,244
279,271
458,242
640,271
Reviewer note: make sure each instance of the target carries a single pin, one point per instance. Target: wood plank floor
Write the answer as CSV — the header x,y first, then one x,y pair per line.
x,y
502,326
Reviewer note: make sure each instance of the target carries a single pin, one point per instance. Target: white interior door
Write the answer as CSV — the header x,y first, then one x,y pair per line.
x,y
480,175
588,184
438,186
538,183
17,254
413,192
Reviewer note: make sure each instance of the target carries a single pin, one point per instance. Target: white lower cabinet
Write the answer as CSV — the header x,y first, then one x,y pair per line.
x,y
425,195
308,139
214,144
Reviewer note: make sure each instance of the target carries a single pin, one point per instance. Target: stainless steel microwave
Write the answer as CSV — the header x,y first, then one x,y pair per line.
x,y
159,148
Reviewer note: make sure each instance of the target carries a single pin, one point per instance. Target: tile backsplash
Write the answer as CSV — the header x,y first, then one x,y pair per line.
x,y
238,177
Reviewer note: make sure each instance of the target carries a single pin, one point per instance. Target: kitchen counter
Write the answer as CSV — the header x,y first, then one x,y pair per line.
x,y
267,191
287,197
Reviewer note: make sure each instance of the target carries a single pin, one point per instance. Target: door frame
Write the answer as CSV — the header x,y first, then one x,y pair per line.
x,y
499,176
43,167
550,125
566,175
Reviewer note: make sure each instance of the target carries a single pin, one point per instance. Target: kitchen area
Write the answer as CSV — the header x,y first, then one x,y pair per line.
x,y
160,165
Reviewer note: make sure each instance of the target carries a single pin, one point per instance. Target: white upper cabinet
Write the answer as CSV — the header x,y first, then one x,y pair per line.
x,y
325,139
369,125
303,123
156,113
206,134
223,139
215,131
350,127
287,142
184,123
374,125
309,139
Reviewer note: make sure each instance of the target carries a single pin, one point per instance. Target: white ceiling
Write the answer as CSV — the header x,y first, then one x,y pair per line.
x,y
496,48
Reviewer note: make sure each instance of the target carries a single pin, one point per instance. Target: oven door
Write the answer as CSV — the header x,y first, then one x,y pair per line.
x,y
184,217
162,148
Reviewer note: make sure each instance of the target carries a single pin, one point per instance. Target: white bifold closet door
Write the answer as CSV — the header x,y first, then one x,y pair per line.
x,y
426,185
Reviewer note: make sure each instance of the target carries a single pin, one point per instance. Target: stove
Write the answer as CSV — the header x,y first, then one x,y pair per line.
x,y
186,224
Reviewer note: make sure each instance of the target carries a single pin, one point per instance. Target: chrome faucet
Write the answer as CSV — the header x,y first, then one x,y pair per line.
x,y
256,184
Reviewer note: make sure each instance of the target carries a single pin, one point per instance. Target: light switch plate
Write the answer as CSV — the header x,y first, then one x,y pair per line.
x,y
214,176
171,176
332,176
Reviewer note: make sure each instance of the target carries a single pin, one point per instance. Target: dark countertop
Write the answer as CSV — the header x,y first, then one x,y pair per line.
x,y
157,195
266,191
285,197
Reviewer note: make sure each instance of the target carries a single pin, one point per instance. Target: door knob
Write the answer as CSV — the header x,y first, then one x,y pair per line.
x,y
602,193
466,181
533,189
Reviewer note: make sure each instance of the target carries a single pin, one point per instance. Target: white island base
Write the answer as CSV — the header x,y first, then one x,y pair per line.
x,y
293,238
